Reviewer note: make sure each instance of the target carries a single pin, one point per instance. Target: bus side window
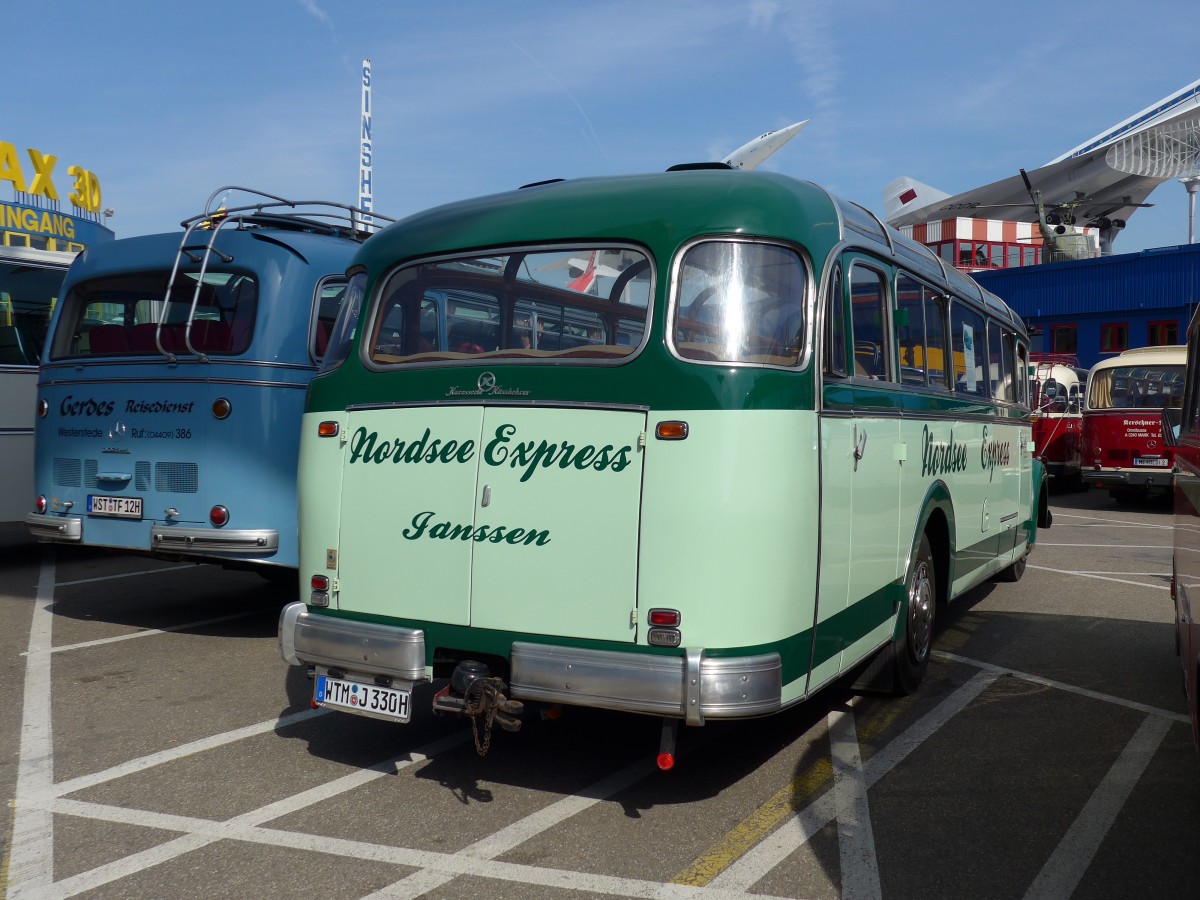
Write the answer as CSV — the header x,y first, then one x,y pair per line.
x,y
835,327
935,338
910,331
868,298
969,345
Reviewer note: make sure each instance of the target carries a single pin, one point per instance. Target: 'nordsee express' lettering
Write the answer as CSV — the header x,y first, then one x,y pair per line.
x,y
941,457
502,450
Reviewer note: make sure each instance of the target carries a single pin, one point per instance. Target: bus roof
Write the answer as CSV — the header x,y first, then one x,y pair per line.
x,y
703,200
1170,355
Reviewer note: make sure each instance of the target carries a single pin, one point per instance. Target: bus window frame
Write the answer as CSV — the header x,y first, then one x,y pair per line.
x,y
371,318
833,310
315,313
808,302
852,261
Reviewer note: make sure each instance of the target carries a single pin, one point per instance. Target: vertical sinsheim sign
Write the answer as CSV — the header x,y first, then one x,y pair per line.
x,y
364,155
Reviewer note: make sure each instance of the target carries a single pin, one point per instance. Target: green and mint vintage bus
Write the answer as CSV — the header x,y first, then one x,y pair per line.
x,y
691,444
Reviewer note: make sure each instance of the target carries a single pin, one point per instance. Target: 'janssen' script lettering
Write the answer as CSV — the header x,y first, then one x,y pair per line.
x,y
423,527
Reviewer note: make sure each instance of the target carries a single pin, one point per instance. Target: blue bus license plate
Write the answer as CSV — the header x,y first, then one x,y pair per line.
x,y
365,699
117,507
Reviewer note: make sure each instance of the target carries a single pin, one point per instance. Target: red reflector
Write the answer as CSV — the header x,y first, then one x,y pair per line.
x,y
668,618
666,761
218,515
221,408
327,429
319,583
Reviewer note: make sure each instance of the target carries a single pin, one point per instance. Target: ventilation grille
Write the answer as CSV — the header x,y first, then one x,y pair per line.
x,y
166,477
176,477
67,472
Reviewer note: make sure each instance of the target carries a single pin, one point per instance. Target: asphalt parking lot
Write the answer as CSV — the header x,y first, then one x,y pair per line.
x,y
155,745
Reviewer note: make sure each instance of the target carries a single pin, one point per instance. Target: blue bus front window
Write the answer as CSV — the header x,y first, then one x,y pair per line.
x,y
346,325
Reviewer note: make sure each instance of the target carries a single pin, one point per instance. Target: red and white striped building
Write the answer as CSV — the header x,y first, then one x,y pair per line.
x,y
978,244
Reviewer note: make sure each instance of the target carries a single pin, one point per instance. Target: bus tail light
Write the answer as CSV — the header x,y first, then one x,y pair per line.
x,y
664,627
328,429
221,408
43,409
218,515
320,591
40,504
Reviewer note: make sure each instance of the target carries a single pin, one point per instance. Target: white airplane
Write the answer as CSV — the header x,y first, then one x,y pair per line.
x,y
751,155
748,156
1100,183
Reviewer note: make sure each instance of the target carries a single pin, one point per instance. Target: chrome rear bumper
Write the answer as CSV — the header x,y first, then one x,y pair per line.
x,y
692,687
54,528
260,542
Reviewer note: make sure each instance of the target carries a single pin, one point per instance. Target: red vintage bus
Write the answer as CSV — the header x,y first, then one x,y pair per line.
x,y
1128,443
1057,385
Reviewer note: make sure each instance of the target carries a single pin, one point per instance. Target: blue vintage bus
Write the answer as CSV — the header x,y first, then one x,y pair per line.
x,y
172,382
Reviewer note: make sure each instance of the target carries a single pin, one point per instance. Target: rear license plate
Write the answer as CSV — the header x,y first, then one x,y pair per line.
x,y
116,507
368,699
1157,462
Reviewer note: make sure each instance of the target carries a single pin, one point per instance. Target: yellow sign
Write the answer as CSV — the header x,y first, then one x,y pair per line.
x,y
86,187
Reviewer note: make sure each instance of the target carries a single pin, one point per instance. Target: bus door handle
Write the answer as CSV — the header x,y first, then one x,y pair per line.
x,y
860,446
113,476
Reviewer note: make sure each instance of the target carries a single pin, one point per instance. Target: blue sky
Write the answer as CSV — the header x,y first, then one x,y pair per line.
x,y
167,101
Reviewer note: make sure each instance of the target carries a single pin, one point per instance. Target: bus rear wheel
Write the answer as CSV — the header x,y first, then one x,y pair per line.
x,y
910,651
1014,572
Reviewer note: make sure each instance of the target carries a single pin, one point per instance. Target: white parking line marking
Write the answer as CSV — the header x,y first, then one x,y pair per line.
x,y
1063,686
189,749
1097,522
207,832
147,632
31,856
1074,853
452,864
1141,584
520,831
794,833
1101,546
856,838
136,574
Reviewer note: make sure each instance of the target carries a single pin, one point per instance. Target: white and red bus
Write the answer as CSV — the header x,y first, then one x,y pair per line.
x,y
1056,388
1128,442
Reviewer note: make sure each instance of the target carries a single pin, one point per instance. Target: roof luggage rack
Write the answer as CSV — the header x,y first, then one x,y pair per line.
x,y
316,216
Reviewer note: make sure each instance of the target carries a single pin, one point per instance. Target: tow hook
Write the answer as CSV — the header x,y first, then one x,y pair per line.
x,y
474,693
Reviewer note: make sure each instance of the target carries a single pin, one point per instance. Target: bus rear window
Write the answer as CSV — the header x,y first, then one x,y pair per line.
x,y
740,302
575,304
125,315
1137,387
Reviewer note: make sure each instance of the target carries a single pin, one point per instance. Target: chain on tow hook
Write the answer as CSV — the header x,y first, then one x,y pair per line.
x,y
474,693
485,700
